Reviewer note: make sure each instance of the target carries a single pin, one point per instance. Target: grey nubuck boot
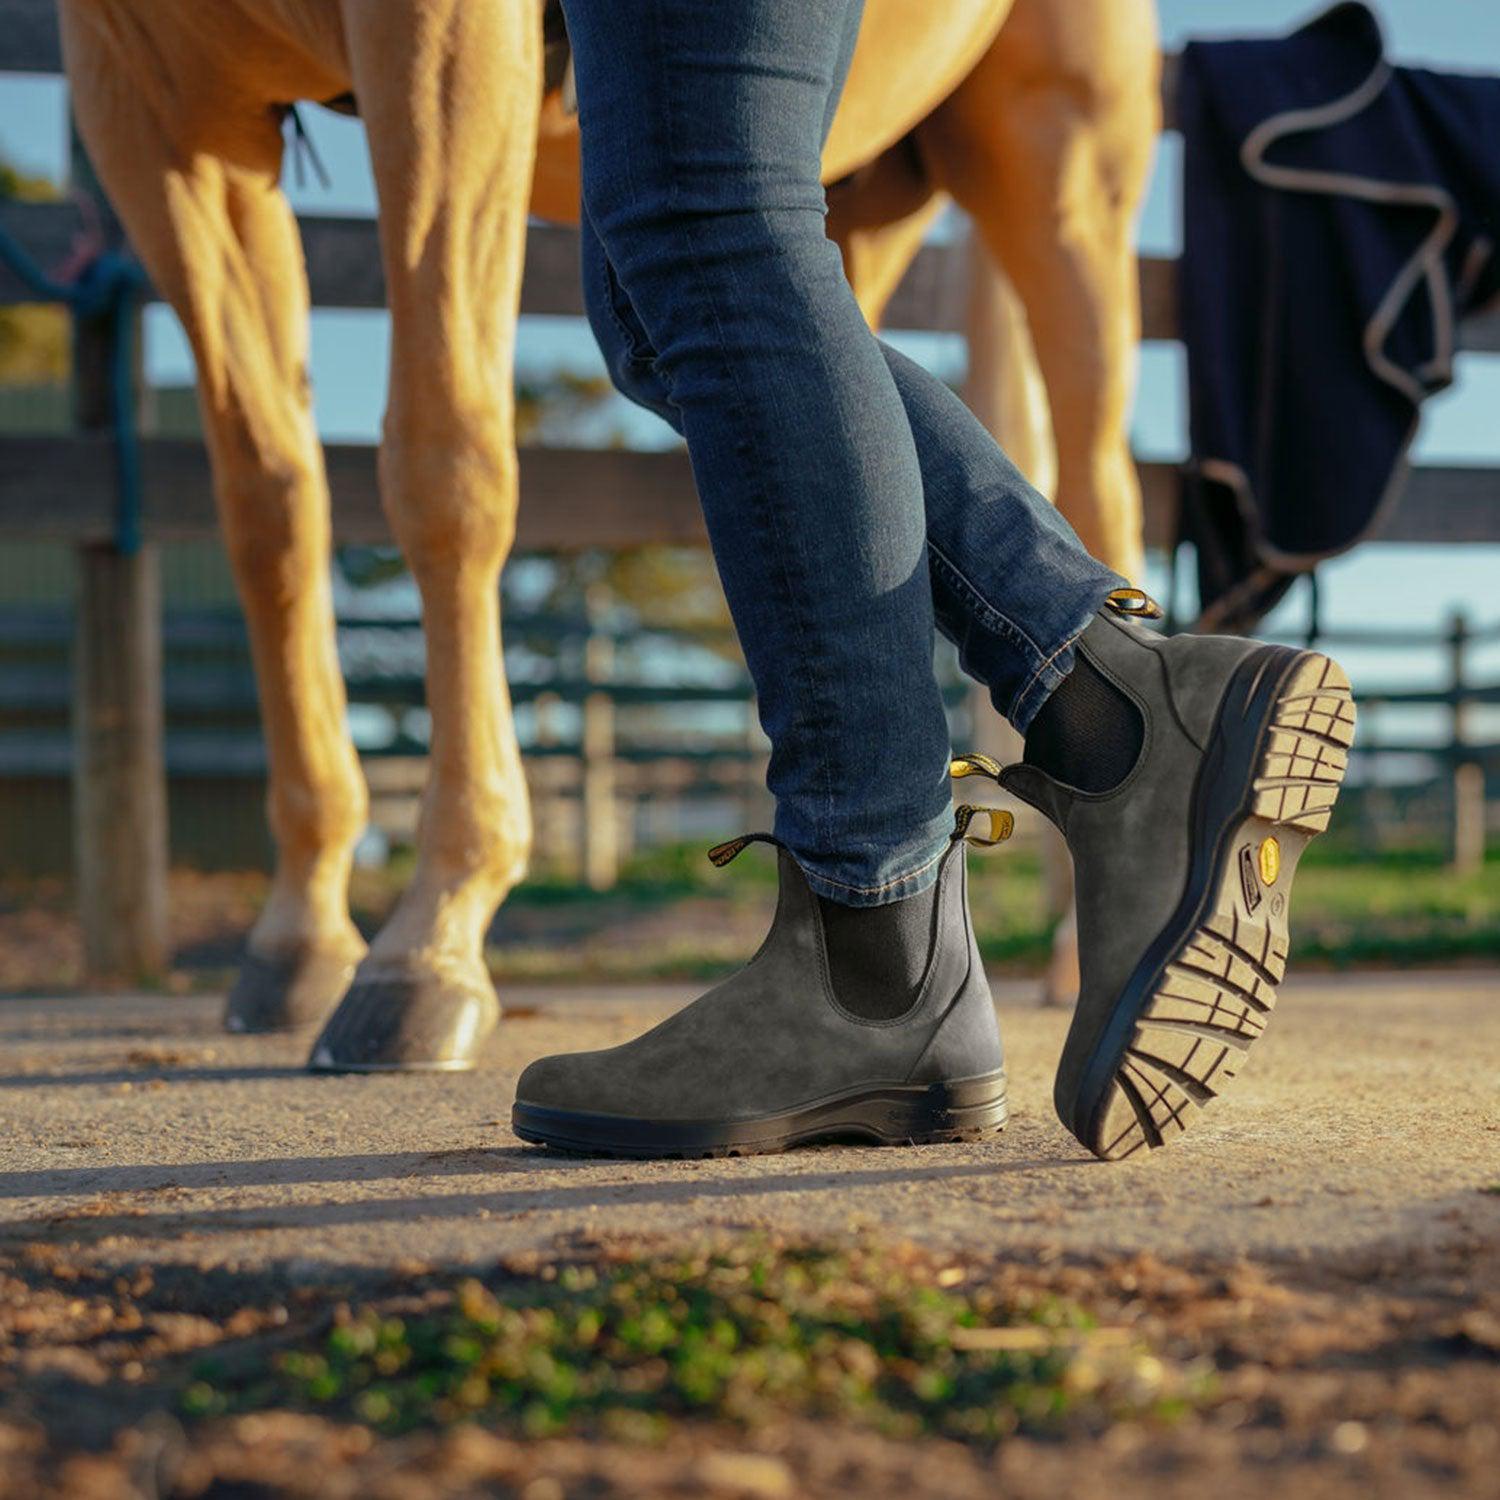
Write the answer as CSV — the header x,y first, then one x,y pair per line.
x,y
794,1048
1183,869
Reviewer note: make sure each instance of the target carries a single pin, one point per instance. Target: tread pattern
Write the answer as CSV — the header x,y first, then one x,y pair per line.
x,y
1217,992
1308,751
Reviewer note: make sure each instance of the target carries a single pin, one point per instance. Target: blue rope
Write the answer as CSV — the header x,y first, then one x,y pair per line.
x,y
106,289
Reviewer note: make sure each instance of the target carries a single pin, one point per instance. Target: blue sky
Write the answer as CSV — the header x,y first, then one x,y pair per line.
x,y
1390,586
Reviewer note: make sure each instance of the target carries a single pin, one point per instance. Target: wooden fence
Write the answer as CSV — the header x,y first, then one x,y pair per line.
x,y
63,488
599,758
600,754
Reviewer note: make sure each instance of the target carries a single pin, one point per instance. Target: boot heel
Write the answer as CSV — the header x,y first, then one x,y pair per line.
x,y
967,1109
1217,991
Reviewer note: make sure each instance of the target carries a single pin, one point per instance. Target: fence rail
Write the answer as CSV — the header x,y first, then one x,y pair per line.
x,y
211,717
344,271
63,488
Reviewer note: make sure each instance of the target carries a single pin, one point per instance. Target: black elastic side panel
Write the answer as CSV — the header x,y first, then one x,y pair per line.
x,y
877,955
1088,734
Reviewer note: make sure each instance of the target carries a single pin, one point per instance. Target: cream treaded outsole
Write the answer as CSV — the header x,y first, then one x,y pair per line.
x,y
1217,992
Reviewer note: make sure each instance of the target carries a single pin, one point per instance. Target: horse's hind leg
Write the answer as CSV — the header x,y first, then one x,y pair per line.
x,y
450,94
209,222
878,217
1047,144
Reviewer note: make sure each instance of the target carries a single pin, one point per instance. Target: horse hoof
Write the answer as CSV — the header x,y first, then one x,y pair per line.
x,y
417,1022
289,992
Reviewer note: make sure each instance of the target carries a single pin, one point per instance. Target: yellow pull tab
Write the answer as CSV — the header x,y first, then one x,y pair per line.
x,y
1002,825
1136,604
974,765
721,854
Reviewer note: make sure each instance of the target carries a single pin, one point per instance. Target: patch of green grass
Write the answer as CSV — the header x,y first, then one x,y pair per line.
x,y
1405,908
1402,908
745,1335
660,874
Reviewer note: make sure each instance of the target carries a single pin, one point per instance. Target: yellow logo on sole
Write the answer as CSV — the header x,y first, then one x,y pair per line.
x,y
1270,861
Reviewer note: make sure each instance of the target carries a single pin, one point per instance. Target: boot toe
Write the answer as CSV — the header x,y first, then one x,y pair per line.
x,y
568,1080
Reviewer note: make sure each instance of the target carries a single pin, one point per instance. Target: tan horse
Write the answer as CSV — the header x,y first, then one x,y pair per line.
x,y
1041,128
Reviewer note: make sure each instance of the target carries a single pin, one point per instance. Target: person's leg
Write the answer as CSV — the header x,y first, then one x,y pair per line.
x,y
1011,584
720,302
700,135
1183,898
1187,773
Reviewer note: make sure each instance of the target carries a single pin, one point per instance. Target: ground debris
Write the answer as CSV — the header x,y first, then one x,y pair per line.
x,y
1330,1382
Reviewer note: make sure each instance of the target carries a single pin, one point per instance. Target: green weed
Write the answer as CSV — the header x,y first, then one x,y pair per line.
x,y
744,1335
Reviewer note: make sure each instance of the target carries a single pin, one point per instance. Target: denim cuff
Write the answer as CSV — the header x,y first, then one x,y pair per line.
x,y
1049,673
919,869
1020,666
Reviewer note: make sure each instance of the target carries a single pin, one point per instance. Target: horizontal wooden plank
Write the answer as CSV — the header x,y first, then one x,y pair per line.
x,y
1479,334
47,754
62,487
1442,503
575,498
344,270
37,631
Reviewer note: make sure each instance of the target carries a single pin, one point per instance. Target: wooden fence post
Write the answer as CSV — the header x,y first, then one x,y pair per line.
x,y
548,814
1468,817
119,781
119,763
601,848
1468,831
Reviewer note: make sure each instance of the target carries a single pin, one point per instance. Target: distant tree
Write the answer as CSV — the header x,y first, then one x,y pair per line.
x,y
554,408
33,339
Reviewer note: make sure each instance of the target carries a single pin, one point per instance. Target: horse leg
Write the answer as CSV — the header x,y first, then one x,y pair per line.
x,y
205,214
878,217
1005,390
450,94
1047,144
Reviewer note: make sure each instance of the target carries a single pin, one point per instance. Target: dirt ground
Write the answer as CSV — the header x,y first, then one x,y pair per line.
x,y
1327,1241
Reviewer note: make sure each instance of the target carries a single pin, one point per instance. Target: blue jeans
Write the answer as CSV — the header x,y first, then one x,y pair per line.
x,y
853,502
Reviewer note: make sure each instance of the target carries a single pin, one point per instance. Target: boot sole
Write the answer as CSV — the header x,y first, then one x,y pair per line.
x,y
967,1109
1182,1026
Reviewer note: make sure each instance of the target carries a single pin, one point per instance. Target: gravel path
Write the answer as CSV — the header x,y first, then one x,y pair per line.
x,y
132,1130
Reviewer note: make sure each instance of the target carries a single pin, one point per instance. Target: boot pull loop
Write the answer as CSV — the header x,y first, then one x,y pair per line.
x,y
1002,825
974,764
1134,604
721,854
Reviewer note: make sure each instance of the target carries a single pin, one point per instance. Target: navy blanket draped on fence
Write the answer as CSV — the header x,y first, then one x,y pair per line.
x,y
1340,216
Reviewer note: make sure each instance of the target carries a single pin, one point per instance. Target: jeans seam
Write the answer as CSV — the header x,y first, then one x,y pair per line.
x,y
627,336
992,617
1031,682
789,594
895,880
